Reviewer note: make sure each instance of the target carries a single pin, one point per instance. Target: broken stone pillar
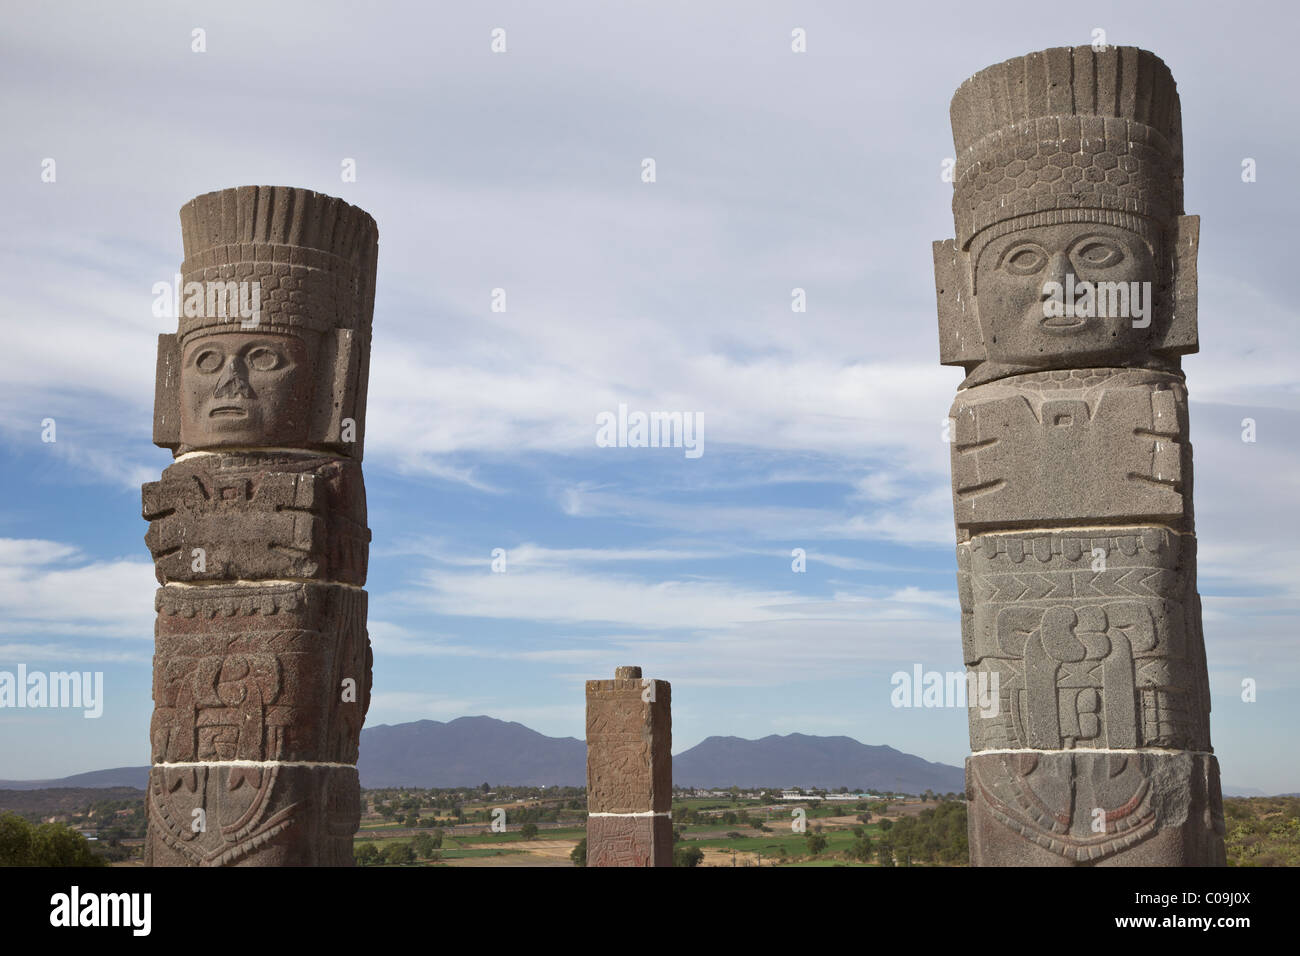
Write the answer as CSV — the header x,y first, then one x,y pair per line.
x,y
1069,297
258,534
629,771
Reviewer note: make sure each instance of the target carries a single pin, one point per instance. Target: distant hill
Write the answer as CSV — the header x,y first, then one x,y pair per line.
x,y
800,760
466,752
135,777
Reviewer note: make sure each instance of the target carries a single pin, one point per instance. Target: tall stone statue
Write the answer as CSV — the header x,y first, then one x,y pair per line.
x,y
258,534
1069,297
629,771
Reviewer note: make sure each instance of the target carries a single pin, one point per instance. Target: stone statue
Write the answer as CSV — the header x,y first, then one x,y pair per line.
x,y
258,533
629,771
1069,297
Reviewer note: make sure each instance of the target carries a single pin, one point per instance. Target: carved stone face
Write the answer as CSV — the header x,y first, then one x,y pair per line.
x,y
238,388
1014,277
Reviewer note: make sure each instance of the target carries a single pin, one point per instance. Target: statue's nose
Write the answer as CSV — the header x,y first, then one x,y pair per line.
x,y
233,382
1057,267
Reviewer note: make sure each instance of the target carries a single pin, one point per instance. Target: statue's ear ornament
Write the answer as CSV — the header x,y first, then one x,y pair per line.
x,y
960,339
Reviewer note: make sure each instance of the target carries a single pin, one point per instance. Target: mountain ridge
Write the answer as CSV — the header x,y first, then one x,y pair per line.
x,y
467,751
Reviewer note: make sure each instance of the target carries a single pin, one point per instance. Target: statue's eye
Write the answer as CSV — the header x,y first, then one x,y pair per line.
x,y
208,360
1024,260
263,359
1097,252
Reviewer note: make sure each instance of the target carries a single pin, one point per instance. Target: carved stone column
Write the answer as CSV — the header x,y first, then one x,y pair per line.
x,y
1069,297
629,771
258,534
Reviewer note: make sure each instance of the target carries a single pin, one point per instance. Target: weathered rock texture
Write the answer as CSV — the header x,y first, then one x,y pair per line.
x,y
1072,472
629,771
258,534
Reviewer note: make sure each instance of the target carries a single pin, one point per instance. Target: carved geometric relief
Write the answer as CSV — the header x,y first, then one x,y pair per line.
x,y
256,516
629,841
258,673
223,815
1094,808
1095,640
1035,450
629,744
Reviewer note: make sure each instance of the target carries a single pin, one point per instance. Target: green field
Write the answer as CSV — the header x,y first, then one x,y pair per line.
x,y
794,844
565,833
461,853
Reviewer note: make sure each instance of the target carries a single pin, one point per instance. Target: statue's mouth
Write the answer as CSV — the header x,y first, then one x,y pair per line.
x,y
1062,324
228,411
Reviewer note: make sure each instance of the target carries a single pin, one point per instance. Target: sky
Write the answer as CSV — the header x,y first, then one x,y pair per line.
x,y
522,170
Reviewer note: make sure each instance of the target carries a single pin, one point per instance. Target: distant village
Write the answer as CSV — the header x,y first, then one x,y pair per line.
x,y
811,793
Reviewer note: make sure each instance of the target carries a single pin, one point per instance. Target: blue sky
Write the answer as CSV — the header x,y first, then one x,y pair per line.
x,y
522,171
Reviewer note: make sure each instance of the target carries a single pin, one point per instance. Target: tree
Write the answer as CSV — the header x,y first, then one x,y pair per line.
x,y
687,855
366,854
861,848
16,836
412,819
399,853
50,844
816,843
437,838
936,835
528,831
57,845
886,825
579,853
423,846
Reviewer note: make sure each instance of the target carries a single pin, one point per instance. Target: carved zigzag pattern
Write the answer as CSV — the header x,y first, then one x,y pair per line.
x,y
1057,585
